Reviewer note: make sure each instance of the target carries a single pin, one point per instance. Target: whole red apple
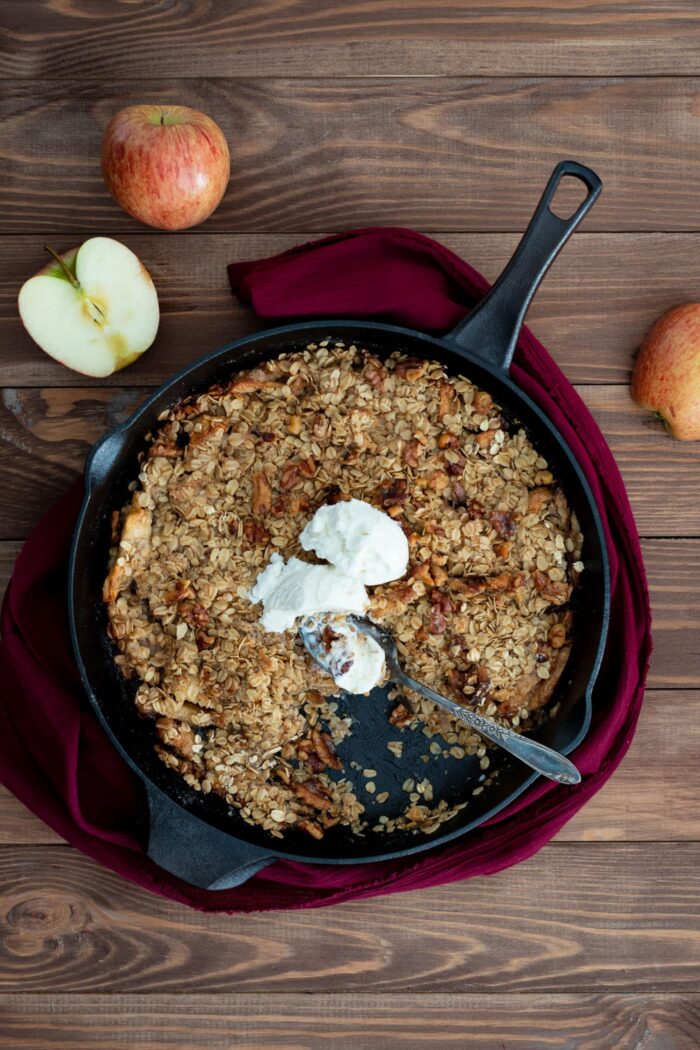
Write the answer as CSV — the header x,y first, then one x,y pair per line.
x,y
666,376
166,165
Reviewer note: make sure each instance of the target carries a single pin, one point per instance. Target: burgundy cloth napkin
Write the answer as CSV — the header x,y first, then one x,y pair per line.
x,y
53,753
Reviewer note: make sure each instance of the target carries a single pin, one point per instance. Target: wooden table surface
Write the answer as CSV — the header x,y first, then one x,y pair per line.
x,y
447,117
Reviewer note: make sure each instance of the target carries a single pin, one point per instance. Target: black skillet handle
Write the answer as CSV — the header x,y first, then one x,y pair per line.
x,y
491,330
196,852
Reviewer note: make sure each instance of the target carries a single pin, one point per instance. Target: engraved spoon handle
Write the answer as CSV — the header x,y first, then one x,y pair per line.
x,y
547,762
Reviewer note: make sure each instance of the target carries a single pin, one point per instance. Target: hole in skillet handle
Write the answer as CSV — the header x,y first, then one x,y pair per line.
x,y
491,330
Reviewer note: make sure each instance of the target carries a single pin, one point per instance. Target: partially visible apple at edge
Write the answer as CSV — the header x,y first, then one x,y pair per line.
x,y
94,308
666,377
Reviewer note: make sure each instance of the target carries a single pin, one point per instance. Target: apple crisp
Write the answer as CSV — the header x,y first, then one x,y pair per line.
x,y
233,475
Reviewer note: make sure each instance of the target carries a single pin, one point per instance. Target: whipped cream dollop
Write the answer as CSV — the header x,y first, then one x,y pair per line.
x,y
358,539
289,590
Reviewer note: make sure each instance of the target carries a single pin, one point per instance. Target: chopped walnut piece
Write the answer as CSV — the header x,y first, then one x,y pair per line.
x,y
313,793
411,369
423,572
447,402
442,607
298,385
455,465
249,382
555,592
298,505
325,749
375,374
410,453
538,498
165,449
400,716
311,828
262,493
437,481
255,532
438,623
439,575
289,477
483,439
505,522
459,493
210,432
482,403
557,635
447,440
392,600
502,550
193,613
181,589
204,641
502,581
475,510
308,467
482,689
393,493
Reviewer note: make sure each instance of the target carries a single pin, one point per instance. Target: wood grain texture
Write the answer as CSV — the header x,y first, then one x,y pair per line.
x,y
591,312
449,154
18,826
45,434
370,1022
65,38
653,797
585,919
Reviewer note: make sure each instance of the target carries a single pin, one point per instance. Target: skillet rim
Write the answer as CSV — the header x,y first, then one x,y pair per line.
x,y
331,327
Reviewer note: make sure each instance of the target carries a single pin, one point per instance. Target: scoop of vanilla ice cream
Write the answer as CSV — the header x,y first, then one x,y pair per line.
x,y
292,589
361,541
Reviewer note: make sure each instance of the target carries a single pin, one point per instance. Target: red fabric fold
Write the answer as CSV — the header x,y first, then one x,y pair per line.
x,y
53,753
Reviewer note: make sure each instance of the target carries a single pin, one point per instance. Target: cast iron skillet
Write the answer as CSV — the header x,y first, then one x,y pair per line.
x,y
201,839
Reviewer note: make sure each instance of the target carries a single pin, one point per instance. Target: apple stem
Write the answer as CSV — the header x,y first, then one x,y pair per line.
x,y
71,276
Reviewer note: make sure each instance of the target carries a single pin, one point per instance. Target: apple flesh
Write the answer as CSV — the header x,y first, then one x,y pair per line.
x,y
666,377
168,166
94,309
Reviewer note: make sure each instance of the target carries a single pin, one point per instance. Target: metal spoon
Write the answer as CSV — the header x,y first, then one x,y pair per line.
x,y
543,759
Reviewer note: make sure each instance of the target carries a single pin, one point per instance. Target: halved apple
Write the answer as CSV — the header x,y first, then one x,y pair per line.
x,y
94,309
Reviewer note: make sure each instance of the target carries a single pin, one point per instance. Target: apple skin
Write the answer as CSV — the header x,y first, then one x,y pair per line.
x,y
168,166
666,377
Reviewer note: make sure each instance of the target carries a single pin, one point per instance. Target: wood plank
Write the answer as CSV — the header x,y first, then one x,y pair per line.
x,y
9,549
653,797
574,918
448,154
18,826
655,793
374,36
591,312
651,463
673,571
45,434
370,1022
